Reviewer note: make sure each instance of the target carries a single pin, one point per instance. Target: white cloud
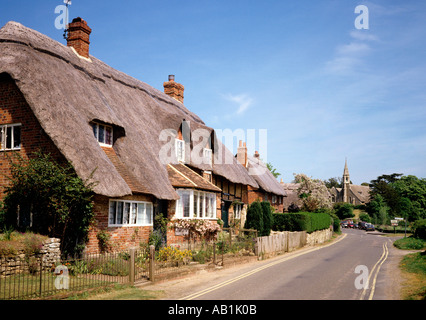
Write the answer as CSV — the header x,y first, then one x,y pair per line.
x,y
243,102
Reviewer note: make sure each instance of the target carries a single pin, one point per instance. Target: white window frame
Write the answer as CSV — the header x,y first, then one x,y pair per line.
x,y
3,136
180,150
133,221
97,126
205,206
208,156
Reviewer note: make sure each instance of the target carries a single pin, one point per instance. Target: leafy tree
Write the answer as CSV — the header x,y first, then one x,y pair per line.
x,y
333,182
273,170
344,210
50,199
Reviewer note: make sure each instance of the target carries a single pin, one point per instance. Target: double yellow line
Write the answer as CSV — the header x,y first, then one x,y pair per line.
x,y
378,265
247,274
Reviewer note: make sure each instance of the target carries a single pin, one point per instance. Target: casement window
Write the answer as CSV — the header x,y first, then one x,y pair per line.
x,y
274,199
10,137
103,133
180,150
130,213
208,159
194,204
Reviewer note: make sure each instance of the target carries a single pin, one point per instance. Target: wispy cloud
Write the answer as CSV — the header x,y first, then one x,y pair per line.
x,y
243,102
349,57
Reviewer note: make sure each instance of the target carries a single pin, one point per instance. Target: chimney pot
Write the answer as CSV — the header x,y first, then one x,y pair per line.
x,y
242,154
174,89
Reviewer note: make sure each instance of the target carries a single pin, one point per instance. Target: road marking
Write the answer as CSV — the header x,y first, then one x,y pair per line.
x,y
379,265
249,273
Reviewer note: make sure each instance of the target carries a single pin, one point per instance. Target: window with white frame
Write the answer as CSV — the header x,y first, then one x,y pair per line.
x,y
103,133
10,137
208,159
194,204
130,213
180,150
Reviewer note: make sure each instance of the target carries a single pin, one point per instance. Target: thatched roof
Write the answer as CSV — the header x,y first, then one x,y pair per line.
x,y
66,93
264,178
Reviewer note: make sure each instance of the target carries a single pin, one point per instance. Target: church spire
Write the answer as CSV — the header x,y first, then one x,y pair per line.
x,y
346,170
346,182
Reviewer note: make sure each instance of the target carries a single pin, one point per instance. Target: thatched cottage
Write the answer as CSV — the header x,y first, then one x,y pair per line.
x,y
151,154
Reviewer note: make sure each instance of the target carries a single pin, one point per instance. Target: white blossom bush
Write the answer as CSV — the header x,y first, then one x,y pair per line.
x,y
313,193
204,229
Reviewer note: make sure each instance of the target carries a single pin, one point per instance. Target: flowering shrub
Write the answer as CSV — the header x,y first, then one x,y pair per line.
x,y
174,254
204,229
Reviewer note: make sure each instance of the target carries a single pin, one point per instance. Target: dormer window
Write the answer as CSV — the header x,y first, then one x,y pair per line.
x,y
208,159
103,133
180,150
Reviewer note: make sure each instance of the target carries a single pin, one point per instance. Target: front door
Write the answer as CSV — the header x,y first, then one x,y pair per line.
x,y
225,213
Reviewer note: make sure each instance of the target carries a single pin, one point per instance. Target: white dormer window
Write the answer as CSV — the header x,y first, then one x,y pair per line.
x,y
103,133
208,159
180,150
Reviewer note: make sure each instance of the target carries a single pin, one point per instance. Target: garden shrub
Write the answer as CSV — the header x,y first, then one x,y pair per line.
x,y
420,229
302,221
267,212
254,219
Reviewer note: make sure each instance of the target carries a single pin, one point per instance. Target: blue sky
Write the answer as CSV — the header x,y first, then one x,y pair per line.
x,y
323,89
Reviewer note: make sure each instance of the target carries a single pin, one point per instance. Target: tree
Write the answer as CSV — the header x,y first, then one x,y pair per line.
x,y
313,193
273,170
333,182
254,219
344,210
49,198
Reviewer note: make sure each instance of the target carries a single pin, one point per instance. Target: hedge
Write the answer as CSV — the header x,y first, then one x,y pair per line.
x,y
301,221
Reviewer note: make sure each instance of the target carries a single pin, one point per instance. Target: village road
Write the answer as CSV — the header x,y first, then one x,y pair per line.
x,y
358,266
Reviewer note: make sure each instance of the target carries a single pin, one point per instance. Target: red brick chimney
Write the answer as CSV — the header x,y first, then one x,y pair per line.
x,y
174,89
256,154
242,154
78,36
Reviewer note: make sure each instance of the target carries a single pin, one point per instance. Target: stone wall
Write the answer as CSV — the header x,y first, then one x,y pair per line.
x,y
48,257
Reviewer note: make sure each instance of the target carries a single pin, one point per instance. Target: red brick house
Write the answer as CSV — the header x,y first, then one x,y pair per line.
x,y
63,100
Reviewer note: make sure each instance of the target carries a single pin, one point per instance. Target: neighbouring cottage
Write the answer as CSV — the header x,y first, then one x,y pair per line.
x,y
350,193
147,153
269,188
292,201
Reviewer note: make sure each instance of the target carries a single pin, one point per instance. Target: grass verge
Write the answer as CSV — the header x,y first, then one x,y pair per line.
x,y
413,267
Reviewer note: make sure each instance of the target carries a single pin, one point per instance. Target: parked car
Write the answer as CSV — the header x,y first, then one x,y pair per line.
x,y
361,225
350,224
369,227
356,226
344,224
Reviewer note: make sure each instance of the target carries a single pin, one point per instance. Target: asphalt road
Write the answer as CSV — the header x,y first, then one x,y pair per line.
x,y
337,271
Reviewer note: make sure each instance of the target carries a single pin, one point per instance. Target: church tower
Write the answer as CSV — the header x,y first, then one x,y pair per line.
x,y
346,183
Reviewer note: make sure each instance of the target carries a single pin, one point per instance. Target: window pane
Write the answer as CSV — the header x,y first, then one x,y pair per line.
x,y
195,204
208,206
95,130
101,136
126,215
149,214
3,138
202,205
141,213
108,135
112,212
185,204
119,213
16,137
8,137
134,213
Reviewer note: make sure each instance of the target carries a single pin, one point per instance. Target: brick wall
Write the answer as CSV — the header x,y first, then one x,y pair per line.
x,y
14,109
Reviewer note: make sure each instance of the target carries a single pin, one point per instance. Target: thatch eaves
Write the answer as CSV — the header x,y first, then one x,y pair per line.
x,y
265,179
